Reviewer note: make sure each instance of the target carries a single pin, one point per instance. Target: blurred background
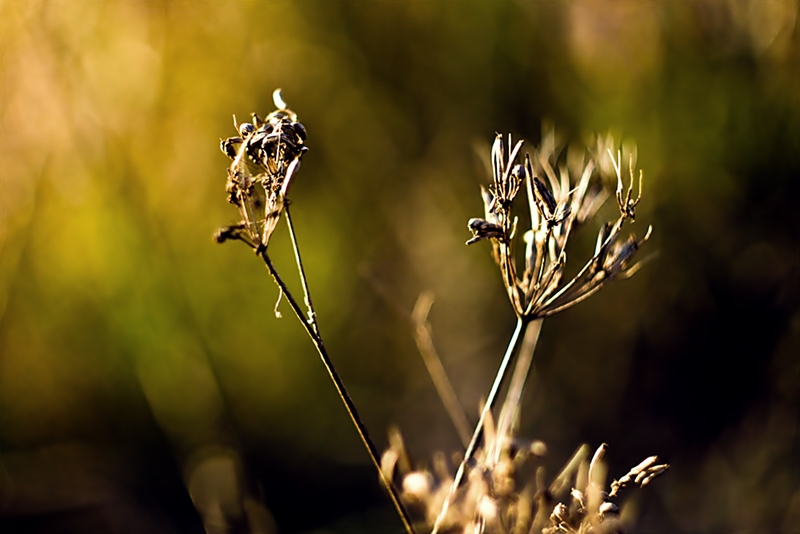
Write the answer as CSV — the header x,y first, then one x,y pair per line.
x,y
146,385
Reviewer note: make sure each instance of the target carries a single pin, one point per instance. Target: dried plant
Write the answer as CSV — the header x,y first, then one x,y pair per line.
x,y
265,158
266,155
555,209
504,490
511,496
557,203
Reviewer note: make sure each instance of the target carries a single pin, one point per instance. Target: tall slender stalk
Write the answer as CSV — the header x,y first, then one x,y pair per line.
x,y
265,156
516,387
476,435
313,332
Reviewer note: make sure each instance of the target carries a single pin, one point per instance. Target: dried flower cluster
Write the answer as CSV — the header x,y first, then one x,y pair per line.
x,y
556,207
505,491
511,496
266,155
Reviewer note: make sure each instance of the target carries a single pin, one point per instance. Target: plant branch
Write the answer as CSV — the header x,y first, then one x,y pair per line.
x,y
516,387
476,436
342,391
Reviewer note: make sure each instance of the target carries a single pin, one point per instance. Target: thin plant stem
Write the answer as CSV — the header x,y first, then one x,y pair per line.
x,y
342,391
421,332
510,409
422,336
476,435
312,315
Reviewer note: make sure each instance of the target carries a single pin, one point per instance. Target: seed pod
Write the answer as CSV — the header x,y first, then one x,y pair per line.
x,y
230,146
300,130
258,122
483,229
544,196
246,129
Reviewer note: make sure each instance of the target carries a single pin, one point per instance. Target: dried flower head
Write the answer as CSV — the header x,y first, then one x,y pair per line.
x,y
556,204
511,496
265,157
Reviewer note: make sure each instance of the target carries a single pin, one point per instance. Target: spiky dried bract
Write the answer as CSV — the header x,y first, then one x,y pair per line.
x,y
265,157
510,496
560,197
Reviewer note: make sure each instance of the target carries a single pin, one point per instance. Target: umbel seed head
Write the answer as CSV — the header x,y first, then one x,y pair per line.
x,y
265,157
557,203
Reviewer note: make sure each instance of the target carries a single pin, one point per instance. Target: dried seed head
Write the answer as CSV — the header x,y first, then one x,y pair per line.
x,y
492,499
556,207
266,155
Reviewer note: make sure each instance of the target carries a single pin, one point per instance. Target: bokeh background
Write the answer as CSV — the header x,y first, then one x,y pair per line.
x,y
140,363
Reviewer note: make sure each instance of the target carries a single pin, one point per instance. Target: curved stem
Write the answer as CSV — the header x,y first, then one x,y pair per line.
x,y
476,436
342,391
